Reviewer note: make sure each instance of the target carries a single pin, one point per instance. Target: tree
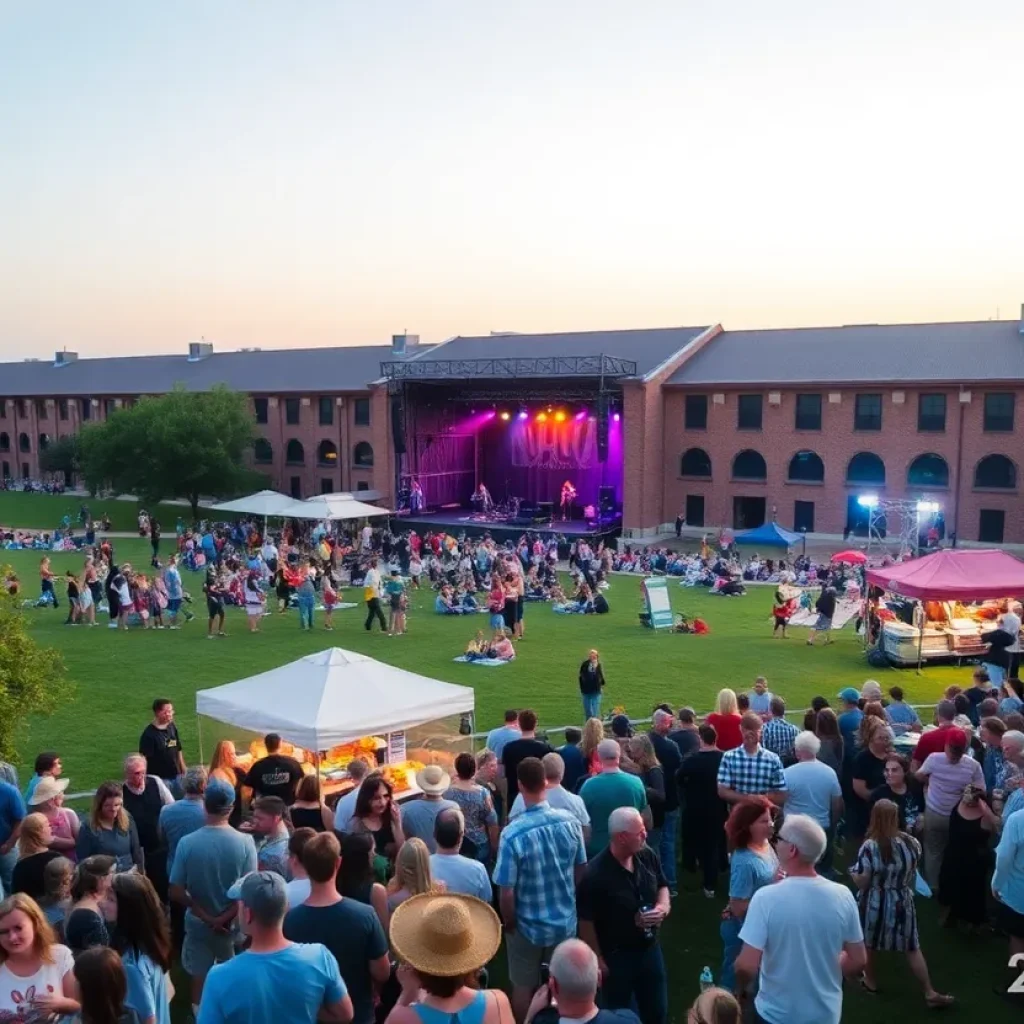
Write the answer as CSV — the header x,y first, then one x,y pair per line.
x,y
32,678
182,444
62,456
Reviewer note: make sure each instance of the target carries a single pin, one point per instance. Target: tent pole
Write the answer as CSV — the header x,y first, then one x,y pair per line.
x,y
920,639
199,728
316,765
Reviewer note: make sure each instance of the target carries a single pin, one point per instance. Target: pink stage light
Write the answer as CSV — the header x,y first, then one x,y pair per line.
x,y
581,415
617,417
523,415
491,414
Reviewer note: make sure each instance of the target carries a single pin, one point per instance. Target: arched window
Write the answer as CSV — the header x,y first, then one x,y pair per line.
x,y
695,462
44,441
865,468
295,454
362,455
24,444
928,471
807,466
262,451
327,453
749,465
5,442
996,471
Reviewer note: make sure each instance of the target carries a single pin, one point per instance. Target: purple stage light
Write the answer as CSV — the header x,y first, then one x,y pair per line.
x,y
581,415
617,417
523,415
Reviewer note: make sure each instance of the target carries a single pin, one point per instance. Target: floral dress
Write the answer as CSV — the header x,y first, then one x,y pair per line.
x,y
887,911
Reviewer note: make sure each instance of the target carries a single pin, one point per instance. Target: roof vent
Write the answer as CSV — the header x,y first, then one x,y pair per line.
x,y
65,357
198,350
401,342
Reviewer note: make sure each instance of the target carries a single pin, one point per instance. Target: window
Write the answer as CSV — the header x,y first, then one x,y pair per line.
x,y
747,512
696,415
865,468
262,451
326,411
928,471
327,453
40,408
5,442
867,412
362,455
86,409
5,471
695,462
291,411
808,412
996,471
24,471
931,413
749,465
261,409
109,407
22,409
326,485
695,510
999,411
44,442
62,408
803,516
24,444
362,485
3,408
361,412
295,454
806,467
748,412
991,523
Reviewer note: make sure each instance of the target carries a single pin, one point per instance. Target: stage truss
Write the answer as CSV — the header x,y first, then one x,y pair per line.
x,y
884,517
600,366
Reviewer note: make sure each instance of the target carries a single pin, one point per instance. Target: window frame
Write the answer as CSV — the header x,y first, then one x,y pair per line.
x,y
289,405
797,425
861,426
703,417
922,416
357,420
989,418
325,402
258,405
740,425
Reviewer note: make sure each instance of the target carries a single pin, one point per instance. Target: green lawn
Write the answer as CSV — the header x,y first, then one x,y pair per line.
x,y
118,675
45,511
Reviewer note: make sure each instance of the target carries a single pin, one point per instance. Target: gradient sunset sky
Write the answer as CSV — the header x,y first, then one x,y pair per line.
x,y
307,172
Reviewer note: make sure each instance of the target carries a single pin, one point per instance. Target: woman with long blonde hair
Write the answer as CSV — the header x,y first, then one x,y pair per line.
x,y
110,830
224,766
725,720
34,854
412,874
593,733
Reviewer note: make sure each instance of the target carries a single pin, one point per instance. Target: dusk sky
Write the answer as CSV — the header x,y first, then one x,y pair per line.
x,y
310,173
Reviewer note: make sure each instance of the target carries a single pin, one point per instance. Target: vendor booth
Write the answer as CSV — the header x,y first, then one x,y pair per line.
x,y
332,507
262,503
338,705
768,535
937,607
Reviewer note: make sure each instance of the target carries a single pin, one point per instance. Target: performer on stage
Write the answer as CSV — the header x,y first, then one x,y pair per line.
x,y
415,497
568,497
482,498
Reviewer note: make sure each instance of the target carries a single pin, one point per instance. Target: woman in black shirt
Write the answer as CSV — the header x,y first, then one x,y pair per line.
x,y
904,791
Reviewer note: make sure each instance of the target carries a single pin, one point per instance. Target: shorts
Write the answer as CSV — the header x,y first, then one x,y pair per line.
x,y
1010,921
524,960
520,606
509,614
254,611
173,605
396,602
203,948
214,607
497,620
824,623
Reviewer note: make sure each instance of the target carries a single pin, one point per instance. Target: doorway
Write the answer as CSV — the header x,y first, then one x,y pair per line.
x,y
747,513
803,516
296,487
695,510
991,522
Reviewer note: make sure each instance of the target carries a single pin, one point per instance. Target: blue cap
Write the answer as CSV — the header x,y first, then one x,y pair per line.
x,y
219,797
850,695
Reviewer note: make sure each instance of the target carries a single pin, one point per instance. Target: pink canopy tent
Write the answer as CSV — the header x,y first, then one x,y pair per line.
x,y
954,575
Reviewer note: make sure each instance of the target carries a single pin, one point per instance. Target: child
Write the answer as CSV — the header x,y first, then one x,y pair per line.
x,y
330,601
157,601
253,597
477,647
496,603
415,569
395,590
74,600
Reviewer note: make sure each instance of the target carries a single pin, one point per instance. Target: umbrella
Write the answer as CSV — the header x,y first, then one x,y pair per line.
x,y
850,557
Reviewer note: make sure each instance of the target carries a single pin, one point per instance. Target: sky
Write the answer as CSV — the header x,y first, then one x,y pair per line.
x,y
328,172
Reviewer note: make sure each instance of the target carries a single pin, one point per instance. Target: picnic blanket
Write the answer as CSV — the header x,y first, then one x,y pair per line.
x,y
486,662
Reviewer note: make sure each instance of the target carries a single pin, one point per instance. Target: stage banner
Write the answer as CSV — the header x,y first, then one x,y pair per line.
x,y
659,607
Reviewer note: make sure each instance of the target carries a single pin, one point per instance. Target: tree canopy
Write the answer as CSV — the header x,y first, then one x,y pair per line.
x,y
61,456
183,444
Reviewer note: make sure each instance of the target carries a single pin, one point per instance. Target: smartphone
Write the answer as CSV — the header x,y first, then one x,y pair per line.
x,y
545,974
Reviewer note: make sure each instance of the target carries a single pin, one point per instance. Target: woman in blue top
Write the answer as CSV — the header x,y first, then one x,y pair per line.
x,y
902,718
143,940
752,865
1013,699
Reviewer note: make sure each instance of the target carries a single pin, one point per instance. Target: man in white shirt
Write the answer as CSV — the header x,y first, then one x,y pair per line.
x,y
270,554
459,874
367,535
556,794
298,889
1010,621
801,936
814,790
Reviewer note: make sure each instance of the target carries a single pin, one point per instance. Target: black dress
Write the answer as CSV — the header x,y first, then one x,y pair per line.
x,y
308,817
966,868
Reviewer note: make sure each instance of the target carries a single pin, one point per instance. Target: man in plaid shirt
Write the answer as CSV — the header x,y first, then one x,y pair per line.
x,y
541,857
750,770
779,735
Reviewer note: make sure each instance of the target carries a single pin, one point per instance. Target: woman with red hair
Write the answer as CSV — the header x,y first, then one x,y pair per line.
x,y
752,865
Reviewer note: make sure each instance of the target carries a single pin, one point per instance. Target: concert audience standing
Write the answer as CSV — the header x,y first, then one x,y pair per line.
x,y
48,800
517,750
591,684
33,856
357,769
778,735
901,716
269,830
686,737
12,814
357,878
934,741
1008,889
160,745
412,874
459,874
299,886
867,772
704,811
725,720
813,790
86,924
309,809
749,769
141,937
611,788
144,796
48,765
377,813
557,795
418,816
110,830
573,760
670,758
185,816
276,774
967,860
479,816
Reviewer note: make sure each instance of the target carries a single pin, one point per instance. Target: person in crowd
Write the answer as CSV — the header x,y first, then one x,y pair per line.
x,y
591,684
557,795
670,759
593,734
825,606
142,938
110,830
349,929
144,797
944,776
573,759
884,875
833,749
517,750
1012,697
801,936
778,735
305,598
32,960
225,767
357,770
12,814
725,720
904,791
298,888
34,854
254,600
977,692
934,741
448,866
813,790
609,789
749,769
175,593
48,765
760,698
55,901
474,800
623,900
442,942
187,815
505,733
967,861
275,979
752,865
372,590
686,736
378,813
715,1006
215,595
48,800
412,873
901,716
704,811
309,809
540,857
991,734
86,924
652,775
276,774
357,879
1008,889
849,718
270,831
160,745
102,988
206,864
867,772
418,816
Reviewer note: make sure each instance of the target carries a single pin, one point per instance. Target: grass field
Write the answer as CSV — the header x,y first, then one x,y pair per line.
x,y
118,675
45,511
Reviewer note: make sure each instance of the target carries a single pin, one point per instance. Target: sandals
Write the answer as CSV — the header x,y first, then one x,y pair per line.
x,y
867,988
939,1001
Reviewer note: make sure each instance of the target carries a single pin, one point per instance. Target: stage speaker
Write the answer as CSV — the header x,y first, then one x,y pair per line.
x,y
398,424
546,510
602,428
606,500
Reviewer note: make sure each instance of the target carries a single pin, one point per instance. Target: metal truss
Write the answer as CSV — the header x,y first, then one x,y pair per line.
x,y
893,516
543,366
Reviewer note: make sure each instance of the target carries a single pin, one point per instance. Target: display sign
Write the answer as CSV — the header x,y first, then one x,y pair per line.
x,y
396,747
659,607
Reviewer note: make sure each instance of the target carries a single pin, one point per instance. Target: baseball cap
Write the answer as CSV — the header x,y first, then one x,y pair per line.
x,y
621,726
219,797
849,694
262,892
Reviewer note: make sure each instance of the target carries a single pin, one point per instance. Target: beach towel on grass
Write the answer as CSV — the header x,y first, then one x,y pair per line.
x,y
486,662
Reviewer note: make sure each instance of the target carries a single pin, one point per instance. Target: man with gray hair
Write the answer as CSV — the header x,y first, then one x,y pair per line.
x,y
145,796
1010,777
814,790
610,789
801,936
465,875
188,815
556,794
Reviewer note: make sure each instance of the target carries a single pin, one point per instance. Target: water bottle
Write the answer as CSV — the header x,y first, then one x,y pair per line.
x,y
707,979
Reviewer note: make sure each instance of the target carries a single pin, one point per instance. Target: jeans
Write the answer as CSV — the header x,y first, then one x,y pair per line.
x,y
996,674
591,705
305,614
731,946
667,850
637,977
47,588
374,611
7,862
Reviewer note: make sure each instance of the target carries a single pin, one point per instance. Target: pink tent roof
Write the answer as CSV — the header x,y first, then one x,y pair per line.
x,y
948,575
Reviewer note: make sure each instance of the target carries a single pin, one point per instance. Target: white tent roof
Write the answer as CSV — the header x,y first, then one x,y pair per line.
x,y
333,697
332,506
262,503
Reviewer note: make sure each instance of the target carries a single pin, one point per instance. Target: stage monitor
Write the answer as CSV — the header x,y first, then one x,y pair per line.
x,y
607,500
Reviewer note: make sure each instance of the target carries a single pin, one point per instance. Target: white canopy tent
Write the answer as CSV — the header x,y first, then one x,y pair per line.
x,y
332,506
333,697
262,503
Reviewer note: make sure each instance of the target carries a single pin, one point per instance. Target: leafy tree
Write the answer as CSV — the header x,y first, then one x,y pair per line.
x,y
182,444
61,456
32,678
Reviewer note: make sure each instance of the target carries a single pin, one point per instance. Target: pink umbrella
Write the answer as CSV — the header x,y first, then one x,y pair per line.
x,y
850,557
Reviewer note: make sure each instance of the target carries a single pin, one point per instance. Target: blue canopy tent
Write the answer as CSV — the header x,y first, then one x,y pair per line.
x,y
769,535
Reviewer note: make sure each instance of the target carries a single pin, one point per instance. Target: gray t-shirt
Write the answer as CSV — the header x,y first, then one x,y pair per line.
x,y
811,786
460,874
210,861
418,819
178,820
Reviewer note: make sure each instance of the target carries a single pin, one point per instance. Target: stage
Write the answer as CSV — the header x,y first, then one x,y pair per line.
x,y
461,520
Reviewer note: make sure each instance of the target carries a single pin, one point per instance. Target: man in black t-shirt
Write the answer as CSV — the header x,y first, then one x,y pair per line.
x,y
704,811
160,745
519,750
276,774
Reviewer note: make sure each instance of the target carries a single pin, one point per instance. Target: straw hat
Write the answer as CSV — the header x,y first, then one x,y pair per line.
x,y
433,780
445,935
46,789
